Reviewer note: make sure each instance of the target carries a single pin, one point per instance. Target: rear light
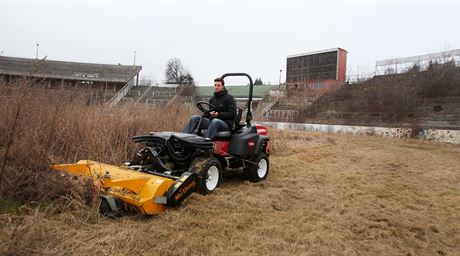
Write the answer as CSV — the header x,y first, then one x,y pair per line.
x,y
261,130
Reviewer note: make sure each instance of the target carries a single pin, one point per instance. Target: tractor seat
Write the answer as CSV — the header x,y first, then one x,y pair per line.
x,y
228,134
220,134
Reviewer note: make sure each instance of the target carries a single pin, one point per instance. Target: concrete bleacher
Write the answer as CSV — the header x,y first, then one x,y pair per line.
x,y
287,108
440,113
160,95
156,95
136,92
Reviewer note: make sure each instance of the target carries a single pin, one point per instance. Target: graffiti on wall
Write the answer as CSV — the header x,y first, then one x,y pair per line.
x,y
449,136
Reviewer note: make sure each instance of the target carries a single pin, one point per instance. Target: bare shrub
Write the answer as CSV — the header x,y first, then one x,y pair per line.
x,y
393,97
40,127
440,80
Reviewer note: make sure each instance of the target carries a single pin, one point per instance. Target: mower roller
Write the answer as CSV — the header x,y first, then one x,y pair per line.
x,y
172,165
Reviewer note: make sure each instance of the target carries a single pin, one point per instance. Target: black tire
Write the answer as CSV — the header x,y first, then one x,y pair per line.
x,y
209,171
258,169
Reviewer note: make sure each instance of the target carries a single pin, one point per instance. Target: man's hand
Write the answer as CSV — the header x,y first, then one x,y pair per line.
x,y
214,113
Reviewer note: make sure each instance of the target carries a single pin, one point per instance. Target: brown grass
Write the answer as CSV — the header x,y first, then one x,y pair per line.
x,y
326,194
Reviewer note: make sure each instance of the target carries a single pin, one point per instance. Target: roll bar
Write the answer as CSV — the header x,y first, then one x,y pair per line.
x,y
251,85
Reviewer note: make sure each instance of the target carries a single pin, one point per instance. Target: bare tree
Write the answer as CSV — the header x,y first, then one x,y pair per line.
x,y
176,74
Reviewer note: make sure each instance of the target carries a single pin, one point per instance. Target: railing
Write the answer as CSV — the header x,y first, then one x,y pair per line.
x,y
143,95
174,98
266,110
121,94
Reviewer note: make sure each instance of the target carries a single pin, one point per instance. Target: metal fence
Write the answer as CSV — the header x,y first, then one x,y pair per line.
x,y
402,65
421,62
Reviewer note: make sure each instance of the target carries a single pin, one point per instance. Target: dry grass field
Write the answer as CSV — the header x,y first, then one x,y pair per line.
x,y
326,194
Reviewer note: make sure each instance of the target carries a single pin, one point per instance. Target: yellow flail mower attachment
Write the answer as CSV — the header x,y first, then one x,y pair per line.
x,y
123,188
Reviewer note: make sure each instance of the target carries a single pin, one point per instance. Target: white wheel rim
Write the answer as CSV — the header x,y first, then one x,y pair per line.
x,y
212,178
262,170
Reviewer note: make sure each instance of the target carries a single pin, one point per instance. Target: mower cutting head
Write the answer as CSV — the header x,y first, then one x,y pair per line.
x,y
127,188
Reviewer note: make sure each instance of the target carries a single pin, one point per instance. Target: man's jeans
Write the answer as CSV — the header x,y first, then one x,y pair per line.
x,y
213,126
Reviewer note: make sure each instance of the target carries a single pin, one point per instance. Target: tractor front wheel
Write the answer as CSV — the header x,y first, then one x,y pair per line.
x,y
209,171
257,169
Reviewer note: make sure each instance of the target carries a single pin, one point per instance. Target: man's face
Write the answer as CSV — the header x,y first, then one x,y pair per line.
x,y
218,87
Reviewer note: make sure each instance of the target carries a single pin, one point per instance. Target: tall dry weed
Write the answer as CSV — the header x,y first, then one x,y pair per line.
x,y
41,127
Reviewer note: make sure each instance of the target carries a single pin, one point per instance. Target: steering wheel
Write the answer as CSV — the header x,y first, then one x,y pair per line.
x,y
205,107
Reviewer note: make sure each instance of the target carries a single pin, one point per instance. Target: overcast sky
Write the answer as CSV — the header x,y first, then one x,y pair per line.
x,y
215,37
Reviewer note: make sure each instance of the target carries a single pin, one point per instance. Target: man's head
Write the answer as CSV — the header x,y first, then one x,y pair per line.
x,y
218,85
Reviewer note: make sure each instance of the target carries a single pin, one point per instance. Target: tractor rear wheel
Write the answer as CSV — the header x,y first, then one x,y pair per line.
x,y
257,169
208,170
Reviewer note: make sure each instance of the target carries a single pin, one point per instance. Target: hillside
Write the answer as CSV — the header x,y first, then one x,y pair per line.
x,y
430,99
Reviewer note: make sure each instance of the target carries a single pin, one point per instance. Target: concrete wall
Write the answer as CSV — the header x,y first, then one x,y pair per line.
x,y
449,136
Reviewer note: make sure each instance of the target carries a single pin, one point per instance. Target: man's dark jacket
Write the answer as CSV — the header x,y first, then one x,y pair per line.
x,y
225,106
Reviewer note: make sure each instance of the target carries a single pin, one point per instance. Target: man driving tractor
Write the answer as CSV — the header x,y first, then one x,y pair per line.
x,y
223,116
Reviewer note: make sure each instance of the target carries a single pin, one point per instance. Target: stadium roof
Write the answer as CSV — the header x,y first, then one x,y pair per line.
x,y
67,70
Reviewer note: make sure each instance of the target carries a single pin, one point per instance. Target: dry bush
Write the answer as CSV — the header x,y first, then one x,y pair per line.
x,y
393,97
440,80
40,127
